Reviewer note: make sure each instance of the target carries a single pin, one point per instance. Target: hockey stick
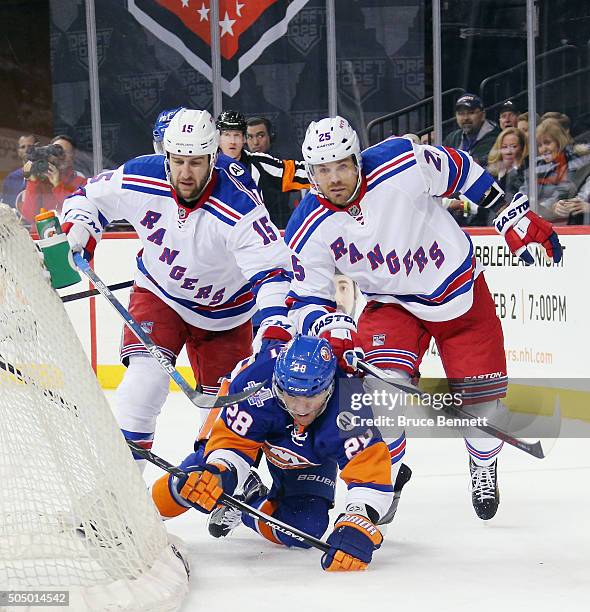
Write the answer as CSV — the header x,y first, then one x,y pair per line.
x,y
231,501
532,448
91,292
196,397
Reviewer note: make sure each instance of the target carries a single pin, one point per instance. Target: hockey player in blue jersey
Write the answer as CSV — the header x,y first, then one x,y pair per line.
x,y
162,122
294,420
210,256
376,216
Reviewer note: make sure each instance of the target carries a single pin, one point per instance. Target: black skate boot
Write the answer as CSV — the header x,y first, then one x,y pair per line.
x,y
485,493
403,476
223,520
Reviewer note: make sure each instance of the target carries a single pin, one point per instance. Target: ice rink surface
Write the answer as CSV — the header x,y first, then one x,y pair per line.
x,y
437,555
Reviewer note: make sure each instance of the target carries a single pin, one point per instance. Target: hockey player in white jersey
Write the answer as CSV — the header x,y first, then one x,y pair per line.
x,y
374,216
209,257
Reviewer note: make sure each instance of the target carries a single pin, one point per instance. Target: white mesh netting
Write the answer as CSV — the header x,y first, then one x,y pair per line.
x,y
74,510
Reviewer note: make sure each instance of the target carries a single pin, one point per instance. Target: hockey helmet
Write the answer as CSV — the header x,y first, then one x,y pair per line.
x,y
305,368
231,120
160,125
328,140
191,132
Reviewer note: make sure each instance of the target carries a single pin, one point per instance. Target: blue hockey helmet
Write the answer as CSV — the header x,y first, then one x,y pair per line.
x,y
160,125
304,368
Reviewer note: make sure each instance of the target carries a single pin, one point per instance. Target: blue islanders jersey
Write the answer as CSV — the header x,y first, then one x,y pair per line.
x,y
395,241
213,263
259,423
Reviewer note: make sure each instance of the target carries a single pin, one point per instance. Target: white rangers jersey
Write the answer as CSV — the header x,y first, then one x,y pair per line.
x,y
213,263
396,241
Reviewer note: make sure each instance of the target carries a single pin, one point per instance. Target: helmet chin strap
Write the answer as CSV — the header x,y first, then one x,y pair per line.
x,y
355,193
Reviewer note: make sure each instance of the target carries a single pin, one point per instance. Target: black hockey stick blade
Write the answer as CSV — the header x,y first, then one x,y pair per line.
x,y
231,501
212,401
92,292
532,448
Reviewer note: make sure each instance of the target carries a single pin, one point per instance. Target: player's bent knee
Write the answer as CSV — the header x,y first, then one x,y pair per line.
x,y
306,513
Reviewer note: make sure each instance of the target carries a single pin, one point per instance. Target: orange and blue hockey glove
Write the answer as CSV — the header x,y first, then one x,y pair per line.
x,y
205,486
352,543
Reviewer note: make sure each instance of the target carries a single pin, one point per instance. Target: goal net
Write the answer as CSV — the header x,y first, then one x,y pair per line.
x,y
75,514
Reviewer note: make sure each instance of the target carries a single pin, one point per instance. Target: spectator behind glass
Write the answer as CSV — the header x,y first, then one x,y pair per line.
x,y
523,123
508,115
576,209
49,189
557,166
14,183
476,135
259,135
506,161
562,119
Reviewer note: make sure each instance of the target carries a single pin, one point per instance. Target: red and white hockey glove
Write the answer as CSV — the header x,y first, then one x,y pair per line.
x,y
80,239
521,227
339,330
272,331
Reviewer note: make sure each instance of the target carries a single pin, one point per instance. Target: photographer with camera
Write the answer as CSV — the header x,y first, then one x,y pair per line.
x,y
50,177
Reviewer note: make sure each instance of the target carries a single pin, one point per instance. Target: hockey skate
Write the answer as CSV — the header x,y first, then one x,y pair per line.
x,y
485,493
403,476
223,520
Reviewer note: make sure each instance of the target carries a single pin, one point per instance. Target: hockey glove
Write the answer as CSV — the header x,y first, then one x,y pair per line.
x,y
80,239
203,488
521,227
339,330
272,331
352,544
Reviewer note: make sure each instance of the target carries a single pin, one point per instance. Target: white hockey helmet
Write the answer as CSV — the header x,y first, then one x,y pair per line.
x,y
191,132
328,140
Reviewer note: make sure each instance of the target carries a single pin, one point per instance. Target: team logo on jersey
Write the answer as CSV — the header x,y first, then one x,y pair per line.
x,y
235,169
246,29
147,326
378,339
182,213
354,210
259,398
298,434
285,458
325,353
